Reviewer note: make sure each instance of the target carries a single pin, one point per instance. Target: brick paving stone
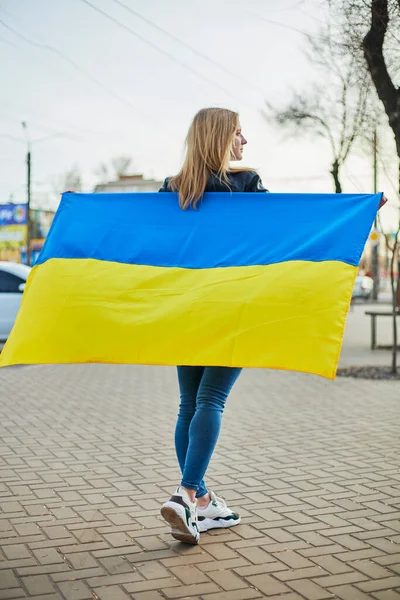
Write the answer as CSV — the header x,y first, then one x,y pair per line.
x,y
233,563
271,567
342,578
395,568
244,594
227,580
42,570
27,529
116,564
188,591
266,584
8,580
293,560
147,596
37,585
54,596
368,567
75,590
190,574
379,584
292,574
80,488
257,556
48,556
310,590
119,579
291,596
112,592
332,564
387,559
16,551
158,584
221,552
348,592
9,594
81,560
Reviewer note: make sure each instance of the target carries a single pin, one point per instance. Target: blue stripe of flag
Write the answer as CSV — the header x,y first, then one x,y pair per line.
x,y
239,229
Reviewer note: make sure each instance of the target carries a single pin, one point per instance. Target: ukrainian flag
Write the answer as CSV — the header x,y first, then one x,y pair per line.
x,y
249,280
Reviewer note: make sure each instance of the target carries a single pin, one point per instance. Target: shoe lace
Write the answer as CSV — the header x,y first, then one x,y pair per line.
x,y
220,501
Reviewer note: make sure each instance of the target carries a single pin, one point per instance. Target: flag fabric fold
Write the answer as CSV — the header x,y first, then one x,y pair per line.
x,y
250,280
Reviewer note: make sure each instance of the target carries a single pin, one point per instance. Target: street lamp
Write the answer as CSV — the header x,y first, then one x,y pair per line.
x,y
28,195
29,234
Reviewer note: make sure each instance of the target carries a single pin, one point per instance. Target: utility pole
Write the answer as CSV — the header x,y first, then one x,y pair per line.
x,y
29,228
375,247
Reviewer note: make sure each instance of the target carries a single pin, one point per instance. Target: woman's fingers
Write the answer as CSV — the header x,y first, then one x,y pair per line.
x,y
382,202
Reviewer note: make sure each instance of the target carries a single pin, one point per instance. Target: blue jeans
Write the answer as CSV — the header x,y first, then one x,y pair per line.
x,y
203,392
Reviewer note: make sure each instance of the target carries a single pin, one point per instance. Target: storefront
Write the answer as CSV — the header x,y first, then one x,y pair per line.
x,y
13,230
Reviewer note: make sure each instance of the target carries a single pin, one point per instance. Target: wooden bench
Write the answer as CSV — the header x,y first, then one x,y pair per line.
x,y
374,314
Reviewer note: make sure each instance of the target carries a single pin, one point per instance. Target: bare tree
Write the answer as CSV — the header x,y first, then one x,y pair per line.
x,y
338,110
73,179
370,34
102,173
373,43
119,166
70,180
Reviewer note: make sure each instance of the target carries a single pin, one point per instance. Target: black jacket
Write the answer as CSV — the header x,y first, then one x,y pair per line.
x,y
241,181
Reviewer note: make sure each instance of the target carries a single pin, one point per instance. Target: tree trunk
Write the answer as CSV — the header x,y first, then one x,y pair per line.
x,y
389,94
335,174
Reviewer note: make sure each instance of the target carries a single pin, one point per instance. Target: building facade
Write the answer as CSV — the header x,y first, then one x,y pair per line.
x,y
129,183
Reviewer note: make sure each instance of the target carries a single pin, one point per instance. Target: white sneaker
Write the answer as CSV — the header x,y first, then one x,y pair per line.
x,y
181,515
216,514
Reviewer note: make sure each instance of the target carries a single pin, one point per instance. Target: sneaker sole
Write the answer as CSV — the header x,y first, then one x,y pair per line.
x,y
179,529
211,524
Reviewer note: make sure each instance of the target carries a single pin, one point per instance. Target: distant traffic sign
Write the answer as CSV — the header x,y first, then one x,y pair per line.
x,y
374,238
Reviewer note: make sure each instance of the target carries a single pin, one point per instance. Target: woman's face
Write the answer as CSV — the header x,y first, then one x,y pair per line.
x,y
238,143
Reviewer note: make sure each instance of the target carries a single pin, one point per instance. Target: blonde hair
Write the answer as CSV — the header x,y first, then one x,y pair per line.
x,y
208,151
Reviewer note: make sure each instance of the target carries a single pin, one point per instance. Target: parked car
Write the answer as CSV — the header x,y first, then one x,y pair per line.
x,y
13,278
363,288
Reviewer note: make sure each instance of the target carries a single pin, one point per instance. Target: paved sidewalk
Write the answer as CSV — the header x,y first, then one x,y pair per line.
x,y
87,457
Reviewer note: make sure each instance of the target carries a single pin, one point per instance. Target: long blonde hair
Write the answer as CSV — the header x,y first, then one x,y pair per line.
x,y
208,151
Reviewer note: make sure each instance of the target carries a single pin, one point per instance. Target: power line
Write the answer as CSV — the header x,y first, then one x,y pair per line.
x,y
11,137
186,45
88,75
286,8
4,41
75,66
39,123
160,50
283,25
55,125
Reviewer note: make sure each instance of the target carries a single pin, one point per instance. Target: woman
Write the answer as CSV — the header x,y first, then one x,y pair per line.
x,y
213,140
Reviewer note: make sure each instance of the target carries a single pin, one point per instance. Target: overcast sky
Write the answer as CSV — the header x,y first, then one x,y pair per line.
x,y
74,73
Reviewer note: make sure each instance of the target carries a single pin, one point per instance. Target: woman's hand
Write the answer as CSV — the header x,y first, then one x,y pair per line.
x,y
382,202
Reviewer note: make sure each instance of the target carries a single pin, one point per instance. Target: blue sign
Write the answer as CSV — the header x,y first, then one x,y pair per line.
x,y
13,214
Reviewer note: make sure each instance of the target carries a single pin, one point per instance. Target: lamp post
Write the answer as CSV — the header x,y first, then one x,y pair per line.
x,y
29,229
29,234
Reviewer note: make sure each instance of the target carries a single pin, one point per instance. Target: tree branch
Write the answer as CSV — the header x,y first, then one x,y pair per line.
x,y
373,52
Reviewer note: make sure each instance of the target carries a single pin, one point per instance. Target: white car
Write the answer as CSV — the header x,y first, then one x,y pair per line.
x,y
363,287
13,278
